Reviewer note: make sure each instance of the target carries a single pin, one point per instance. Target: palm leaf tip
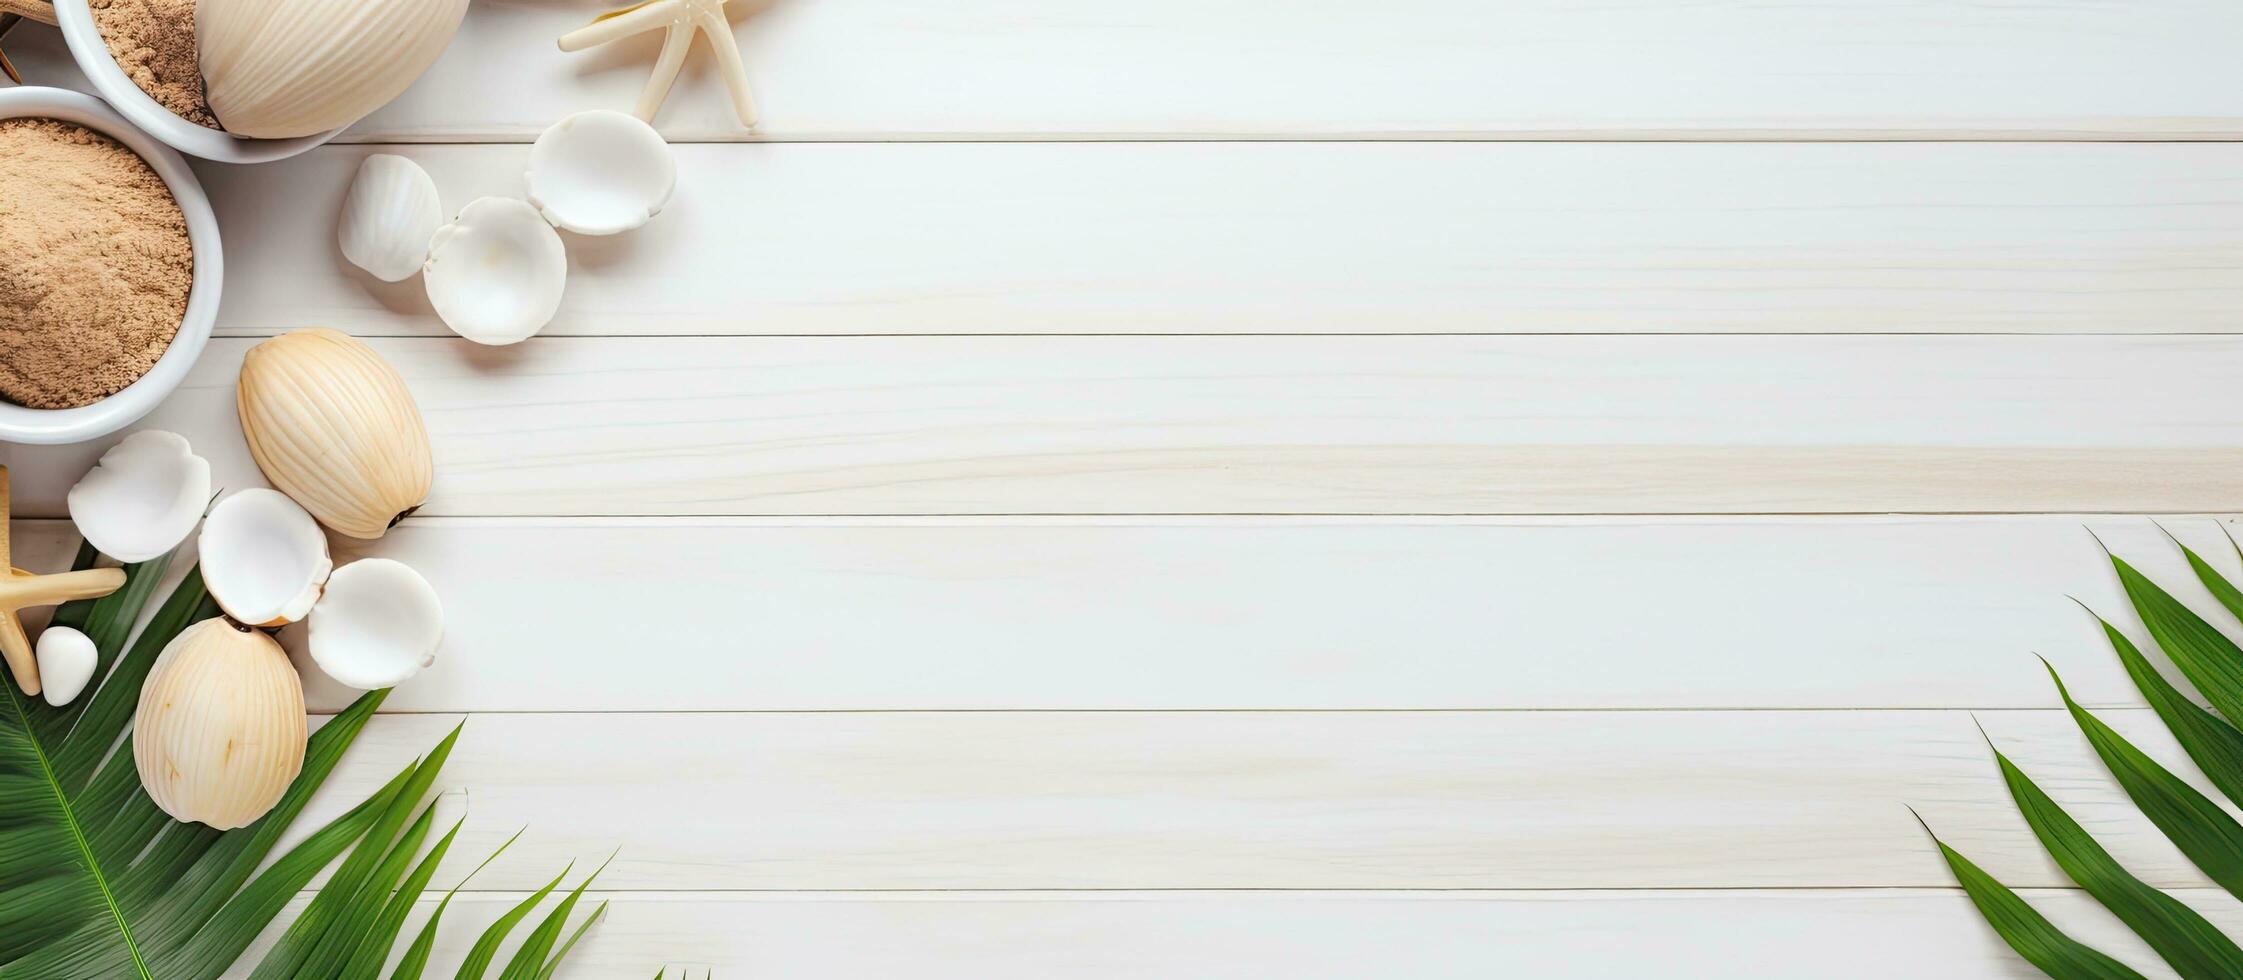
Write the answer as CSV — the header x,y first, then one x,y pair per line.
x,y
2022,927
2215,745
2212,840
485,950
2223,591
2179,934
2200,828
2211,662
529,962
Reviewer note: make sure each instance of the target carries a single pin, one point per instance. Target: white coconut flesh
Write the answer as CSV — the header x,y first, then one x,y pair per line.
x,y
495,274
263,558
377,626
143,497
601,172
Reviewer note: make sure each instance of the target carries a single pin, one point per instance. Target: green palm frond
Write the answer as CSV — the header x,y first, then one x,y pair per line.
x,y
2197,826
2211,839
96,881
416,955
2193,946
2025,930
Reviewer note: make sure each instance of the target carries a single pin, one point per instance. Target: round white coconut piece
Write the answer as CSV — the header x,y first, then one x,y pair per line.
x,y
143,497
263,558
378,625
600,172
388,217
496,272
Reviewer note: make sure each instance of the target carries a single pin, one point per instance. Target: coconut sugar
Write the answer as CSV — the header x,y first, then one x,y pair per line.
x,y
154,42
95,264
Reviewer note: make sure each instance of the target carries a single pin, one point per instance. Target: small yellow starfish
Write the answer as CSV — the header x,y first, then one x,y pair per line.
x,y
20,589
683,18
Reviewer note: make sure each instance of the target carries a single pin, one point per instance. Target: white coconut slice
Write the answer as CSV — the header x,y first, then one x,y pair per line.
x,y
496,272
378,625
263,558
388,217
143,497
600,172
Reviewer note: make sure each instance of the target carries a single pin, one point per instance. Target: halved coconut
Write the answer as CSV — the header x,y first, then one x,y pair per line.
x,y
143,497
496,272
378,625
600,172
263,558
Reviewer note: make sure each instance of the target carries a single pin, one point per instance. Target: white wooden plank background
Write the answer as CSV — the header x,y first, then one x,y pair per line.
x,y
1231,613
1218,425
1041,238
1619,935
1062,497
1441,68
878,800
894,69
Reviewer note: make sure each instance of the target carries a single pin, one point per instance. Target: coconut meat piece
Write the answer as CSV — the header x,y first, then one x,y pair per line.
x,y
263,558
377,626
600,172
495,274
143,497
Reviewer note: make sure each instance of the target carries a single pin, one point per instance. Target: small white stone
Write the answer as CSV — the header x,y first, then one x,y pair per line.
x,y
66,662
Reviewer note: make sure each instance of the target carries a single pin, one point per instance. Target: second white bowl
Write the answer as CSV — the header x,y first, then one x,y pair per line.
x,y
93,58
60,425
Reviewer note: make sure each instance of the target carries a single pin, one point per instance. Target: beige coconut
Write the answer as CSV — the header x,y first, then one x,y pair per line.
x,y
333,426
220,730
286,68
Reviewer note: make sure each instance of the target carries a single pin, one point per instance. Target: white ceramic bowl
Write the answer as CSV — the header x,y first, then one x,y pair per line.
x,y
61,425
93,58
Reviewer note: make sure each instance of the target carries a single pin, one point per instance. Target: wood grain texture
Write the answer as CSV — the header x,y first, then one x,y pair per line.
x,y
1191,289
887,425
1325,238
1260,800
1620,935
1246,613
1448,69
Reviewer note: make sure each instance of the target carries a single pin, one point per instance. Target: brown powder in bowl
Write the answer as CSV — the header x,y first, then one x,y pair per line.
x,y
154,42
94,264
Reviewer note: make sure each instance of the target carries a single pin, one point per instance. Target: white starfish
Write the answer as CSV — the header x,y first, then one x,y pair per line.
x,y
683,18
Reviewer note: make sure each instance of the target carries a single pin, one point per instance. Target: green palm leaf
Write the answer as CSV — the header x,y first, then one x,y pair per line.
x,y
2211,839
2195,824
2189,943
100,882
485,950
2230,598
529,961
2214,745
2025,930
2206,656
546,973
96,881
366,962
416,955
310,947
